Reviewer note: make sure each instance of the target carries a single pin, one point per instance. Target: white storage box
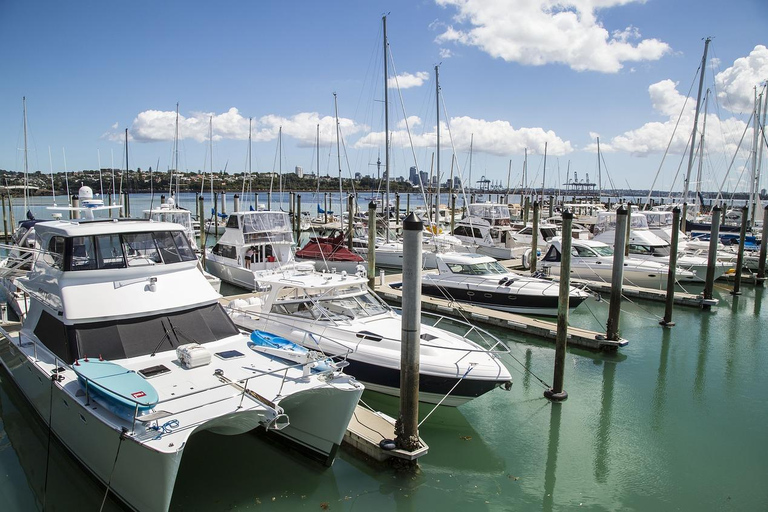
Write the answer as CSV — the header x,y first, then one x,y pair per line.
x,y
193,355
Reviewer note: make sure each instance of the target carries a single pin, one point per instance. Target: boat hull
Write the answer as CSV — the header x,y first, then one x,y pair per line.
x,y
94,443
319,419
545,305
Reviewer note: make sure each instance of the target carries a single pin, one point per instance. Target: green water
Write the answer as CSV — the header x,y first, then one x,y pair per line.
x,y
674,421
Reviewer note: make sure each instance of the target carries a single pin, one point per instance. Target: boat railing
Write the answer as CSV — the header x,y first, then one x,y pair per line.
x,y
487,341
306,335
59,365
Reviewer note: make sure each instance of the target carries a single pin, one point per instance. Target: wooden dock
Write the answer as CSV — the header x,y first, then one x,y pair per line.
x,y
635,292
523,324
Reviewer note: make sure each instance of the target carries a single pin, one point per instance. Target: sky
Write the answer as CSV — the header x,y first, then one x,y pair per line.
x,y
514,76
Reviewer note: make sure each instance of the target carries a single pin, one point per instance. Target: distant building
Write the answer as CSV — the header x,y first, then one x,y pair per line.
x,y
413,177
358,176
424,179
299,171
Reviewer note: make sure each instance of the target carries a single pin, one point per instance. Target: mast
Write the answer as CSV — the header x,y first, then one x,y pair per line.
x,y
175,150
761,143
701,152
26,155
752,205
338,156
127,178
280,163
544,174
695,125
437,101
509,177
599,174
386,132
525,173
471,145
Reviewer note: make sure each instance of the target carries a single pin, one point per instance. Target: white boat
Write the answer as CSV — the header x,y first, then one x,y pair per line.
x,y
253,241
338,313
593,260
483,281
496,243
169,212
646,245
126,352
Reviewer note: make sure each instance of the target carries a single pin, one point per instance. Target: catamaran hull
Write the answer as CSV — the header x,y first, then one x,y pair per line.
x,y
319,418
143,478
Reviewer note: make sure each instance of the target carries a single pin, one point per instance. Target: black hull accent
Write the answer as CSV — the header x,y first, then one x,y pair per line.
x,y
500,301
707,228
468,388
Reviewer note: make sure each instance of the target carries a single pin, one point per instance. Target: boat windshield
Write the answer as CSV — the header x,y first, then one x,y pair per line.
x,y
478,269
338,303
582,251
603,250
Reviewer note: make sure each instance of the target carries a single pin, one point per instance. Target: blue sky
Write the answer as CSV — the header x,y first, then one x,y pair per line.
x,y
513,75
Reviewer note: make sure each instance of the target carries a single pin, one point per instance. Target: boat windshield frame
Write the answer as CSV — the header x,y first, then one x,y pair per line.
x,y
335,304
477,269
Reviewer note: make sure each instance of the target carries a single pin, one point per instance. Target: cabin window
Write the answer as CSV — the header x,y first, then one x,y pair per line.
x,y
83,254
167,248
526,231
140,249
182,244
583,252
109,251
54,256
552,254
225,251
53,333
232,222
548,233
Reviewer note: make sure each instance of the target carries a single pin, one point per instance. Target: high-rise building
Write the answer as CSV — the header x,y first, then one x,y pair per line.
x,y
299,171
413,177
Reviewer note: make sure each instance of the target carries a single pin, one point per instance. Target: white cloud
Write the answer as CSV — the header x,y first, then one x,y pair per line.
x,y
412,121
497,138
735,84
115,126
158,125
546,31
407,80
653,137
445,53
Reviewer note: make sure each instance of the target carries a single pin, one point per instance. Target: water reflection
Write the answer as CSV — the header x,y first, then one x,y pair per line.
x,y
554,440
701,362
603,434
759,291
527,374
660,393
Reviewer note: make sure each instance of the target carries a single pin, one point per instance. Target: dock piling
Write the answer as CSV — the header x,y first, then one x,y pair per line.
x,y
714,239
372,244
350,216
617,276
535,236
740,258
667,320
407,426
298,216
236,203
557,393
763,247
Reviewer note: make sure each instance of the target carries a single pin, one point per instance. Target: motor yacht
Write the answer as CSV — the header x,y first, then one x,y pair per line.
x,y
593,260
337,313
125,353
253,241
331,253
483,281
643,244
